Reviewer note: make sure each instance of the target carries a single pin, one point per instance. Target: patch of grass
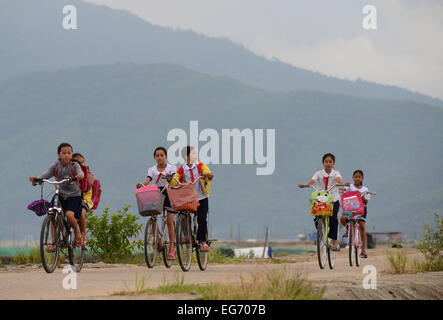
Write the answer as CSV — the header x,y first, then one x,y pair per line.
x,y
270,285
33,257
398,261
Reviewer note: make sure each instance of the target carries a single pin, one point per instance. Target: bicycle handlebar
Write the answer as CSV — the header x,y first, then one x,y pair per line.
x,y
317,189
40,181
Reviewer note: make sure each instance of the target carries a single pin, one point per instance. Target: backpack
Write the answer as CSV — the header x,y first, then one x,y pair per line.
x,y
96,193
351,201
88,181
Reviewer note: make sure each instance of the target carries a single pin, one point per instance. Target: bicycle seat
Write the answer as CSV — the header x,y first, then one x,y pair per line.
x,y
171,210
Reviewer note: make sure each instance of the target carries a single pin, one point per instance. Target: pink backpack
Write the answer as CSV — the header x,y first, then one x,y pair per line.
x,y
351,201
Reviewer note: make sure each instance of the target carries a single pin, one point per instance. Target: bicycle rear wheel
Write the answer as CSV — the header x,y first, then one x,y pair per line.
x,y
184,242
150,244
357,244
351,242
167,245
75,255
321,243
48,241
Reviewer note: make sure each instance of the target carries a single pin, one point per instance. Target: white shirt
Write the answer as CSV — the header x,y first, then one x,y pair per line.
x,y
367,196
156,175
187,178
319,178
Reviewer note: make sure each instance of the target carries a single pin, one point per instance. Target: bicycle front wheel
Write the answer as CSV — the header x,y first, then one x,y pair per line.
x,y
166,247
321,243
76,255
351,242
151,237
357,244
184,242
49,247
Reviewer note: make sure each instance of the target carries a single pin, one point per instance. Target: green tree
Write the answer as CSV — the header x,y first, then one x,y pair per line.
x,y
111,236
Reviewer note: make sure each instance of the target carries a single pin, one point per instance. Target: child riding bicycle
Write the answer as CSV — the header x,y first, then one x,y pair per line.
x,y
324,179
357,177
188,172
70,194
157,174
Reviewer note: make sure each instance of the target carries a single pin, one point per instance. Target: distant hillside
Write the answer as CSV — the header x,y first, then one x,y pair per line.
x,y
116,115
33,39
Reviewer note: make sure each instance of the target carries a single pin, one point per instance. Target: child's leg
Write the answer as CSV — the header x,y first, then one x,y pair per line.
x,y
73,222
333,223
171,230
83,225
202,215
363,235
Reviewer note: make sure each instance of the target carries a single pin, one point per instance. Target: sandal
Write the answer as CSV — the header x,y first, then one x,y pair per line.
x,y
171,255
336,248
363,255
204,248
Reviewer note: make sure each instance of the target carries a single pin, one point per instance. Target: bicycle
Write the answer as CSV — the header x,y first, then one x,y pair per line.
x,y
324,244
56,227
157,240
354,234
186,239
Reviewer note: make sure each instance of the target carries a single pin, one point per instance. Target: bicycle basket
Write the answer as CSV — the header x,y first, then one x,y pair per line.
x,y
149,200
321,203
183,197
40,207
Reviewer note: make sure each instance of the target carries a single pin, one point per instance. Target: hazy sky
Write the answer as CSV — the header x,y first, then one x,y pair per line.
x,y
326,36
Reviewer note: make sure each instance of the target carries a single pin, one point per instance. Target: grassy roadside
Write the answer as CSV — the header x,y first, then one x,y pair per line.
x,y
266,285
216,255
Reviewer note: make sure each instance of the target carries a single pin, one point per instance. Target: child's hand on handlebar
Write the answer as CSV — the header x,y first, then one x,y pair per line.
x,y
208,176
301,185
139,185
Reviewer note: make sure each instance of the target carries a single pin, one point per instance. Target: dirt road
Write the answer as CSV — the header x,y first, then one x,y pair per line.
x,y
101,281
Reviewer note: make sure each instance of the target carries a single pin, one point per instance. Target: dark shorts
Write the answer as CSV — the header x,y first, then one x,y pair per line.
x,y
73,204
166,204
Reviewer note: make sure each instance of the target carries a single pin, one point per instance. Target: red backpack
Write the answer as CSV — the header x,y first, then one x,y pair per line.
x,y
96,193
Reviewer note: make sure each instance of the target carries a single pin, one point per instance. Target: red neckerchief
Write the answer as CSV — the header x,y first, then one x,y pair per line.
x,y
326,181
192,174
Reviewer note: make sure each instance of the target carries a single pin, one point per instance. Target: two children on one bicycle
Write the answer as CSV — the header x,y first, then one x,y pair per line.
x,y
357,177
188,172
156,174
325,179
69,193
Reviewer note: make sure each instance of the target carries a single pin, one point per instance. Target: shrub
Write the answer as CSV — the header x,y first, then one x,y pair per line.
x,y
431,246
111,236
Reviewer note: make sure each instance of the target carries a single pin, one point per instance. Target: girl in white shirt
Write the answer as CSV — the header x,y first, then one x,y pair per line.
x,y
324,179
155,173
357,177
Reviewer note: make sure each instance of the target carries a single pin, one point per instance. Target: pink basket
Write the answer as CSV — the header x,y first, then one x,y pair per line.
x,y
149,200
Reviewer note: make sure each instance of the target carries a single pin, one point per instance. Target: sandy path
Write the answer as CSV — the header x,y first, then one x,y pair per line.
x,y
344,282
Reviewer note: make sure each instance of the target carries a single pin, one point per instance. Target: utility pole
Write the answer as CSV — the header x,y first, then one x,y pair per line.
x,y
266,242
